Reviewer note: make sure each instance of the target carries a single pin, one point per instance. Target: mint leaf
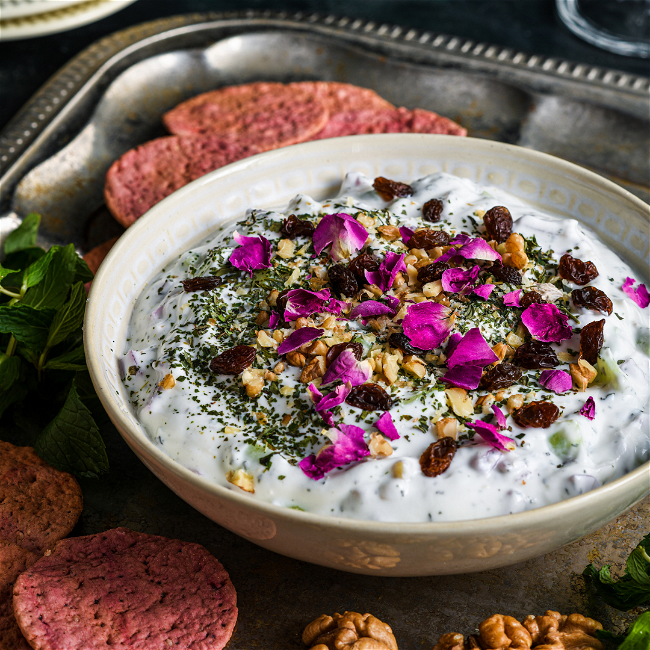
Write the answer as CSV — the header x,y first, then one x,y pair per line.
x,y
9,371
5,272
69,316
71,441
52,291
638,636
82,271
73,360
29,326
16,392
36,271
25,235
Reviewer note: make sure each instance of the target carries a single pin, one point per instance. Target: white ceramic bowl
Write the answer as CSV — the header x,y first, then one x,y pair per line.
x,y
317,168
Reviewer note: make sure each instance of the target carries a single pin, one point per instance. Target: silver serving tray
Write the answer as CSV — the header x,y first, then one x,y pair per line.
x,y
55,152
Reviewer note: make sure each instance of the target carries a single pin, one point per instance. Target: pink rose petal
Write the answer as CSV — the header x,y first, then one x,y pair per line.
x,y
386,425
479,249
348,447
426,324
556,380
467,377
490,434
343,231
473,350
393,301
453,341
546,322
483,290
511,299
371,308
392,264
325,404
406,234
346,368
460,240
589,409
274,319
302,302
500,417
455,280
253,253
298,338
639,295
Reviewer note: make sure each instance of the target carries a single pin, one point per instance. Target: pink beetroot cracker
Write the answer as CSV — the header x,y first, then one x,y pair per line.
x,y
13,561
271,112
39,505
147,174
340,97
123,589
398,120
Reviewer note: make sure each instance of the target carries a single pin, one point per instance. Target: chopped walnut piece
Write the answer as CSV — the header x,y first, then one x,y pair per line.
x,y
485,402
265,340
460,401
286,419
278,336
447,428
242,479
261,318
315,368
253,380
503,351
296,359
379,447
272,298
343,632
500,632
390,233
315,348
583,373
514,341
286,248
514,402
389,367
302,322
450,641
553,630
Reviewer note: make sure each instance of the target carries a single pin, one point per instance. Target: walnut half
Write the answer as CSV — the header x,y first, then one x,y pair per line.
x,y
350,631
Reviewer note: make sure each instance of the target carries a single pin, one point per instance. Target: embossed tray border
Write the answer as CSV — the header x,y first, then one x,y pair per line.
x,y
36,131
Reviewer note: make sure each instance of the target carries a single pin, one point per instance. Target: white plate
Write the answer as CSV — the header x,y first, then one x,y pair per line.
x,y
31,18
317,168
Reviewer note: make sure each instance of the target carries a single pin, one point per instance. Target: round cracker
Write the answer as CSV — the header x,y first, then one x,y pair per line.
x,y
126,589
399,120
39,505
275,113
95,256
341,97
147,174
13,561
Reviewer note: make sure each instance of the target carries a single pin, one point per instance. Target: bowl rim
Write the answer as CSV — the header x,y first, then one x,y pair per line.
x,y
141,445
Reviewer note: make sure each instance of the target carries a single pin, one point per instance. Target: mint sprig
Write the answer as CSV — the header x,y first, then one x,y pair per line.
x,y
43,370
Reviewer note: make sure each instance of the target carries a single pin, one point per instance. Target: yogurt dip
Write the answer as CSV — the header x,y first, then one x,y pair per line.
x,y
288,435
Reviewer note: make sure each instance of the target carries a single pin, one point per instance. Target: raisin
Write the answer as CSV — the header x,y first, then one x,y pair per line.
x,y
360,264
592,298
233,361
505,274
536,354
294,227
501,376
369,397
342,280
576,270
438,456
529,298
591,340
402,342
498,223
428,238
388,189
539,415
432,210
335,350
432,272
202,284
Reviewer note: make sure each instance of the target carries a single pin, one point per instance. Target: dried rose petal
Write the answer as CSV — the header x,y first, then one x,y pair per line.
x,y
348,447
460,240
478,249
472,350
427,324
386,425
304,303
490,434
546,322
325,404
467,377
346,368
298,338
556,380
639,294
406,234
392,264
455,280
483,290
511,299
343,231
500,417
453,341
274,319
253,253
371,308
589,409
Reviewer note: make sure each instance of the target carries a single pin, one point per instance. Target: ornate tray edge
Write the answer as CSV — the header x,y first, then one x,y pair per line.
x,y
51,99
